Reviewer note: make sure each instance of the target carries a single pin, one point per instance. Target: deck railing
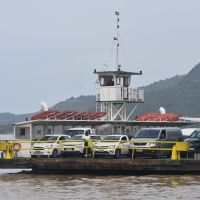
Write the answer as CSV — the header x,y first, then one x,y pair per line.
x,y
88,147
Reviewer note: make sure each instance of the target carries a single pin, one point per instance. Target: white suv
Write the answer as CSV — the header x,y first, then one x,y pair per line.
x,y
48,146
113,145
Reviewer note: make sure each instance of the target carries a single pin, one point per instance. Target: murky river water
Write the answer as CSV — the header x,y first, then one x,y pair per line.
x,y
44,187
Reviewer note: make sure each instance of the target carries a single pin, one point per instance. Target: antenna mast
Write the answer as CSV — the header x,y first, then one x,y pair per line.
x,y
117,40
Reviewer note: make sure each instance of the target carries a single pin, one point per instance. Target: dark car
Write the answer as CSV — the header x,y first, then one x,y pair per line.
x,y
194,140
151,138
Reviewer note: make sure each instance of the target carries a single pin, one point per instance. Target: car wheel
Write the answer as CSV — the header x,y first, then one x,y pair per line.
x,y
55,153
117,153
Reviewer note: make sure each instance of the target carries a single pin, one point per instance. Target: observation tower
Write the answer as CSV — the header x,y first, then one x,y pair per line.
x,y
114,94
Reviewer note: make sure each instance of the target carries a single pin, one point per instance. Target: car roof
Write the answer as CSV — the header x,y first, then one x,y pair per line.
x,y
57,135
79,128
115,135
161,128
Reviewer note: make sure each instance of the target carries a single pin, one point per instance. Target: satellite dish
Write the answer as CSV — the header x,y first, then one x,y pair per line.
x,y
44,106
104,127
162,111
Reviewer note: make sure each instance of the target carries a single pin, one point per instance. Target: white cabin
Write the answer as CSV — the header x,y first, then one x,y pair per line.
x,y
115,86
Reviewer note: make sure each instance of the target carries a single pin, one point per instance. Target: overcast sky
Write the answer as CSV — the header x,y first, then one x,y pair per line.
x,y
49,48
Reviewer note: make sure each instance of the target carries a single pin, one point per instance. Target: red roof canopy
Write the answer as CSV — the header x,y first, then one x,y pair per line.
x,y
158,117
67,115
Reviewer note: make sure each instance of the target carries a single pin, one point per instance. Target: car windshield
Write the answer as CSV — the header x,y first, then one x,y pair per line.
x,y
74,132
112,137
94,137
77,137
195,135
148,133
49,138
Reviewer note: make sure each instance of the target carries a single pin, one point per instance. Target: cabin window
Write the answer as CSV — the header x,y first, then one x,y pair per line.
x,y
163,135
195,135
87,132
124,138
22,131
118,80
106,80
62,138
126,81
174,135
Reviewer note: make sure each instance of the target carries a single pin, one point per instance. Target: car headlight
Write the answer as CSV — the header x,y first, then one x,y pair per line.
x,y
153,145
112,146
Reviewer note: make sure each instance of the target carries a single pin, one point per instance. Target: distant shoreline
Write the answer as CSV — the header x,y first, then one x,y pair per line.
x,y
6,136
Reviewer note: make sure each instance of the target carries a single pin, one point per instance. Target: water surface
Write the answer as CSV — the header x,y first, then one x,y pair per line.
x,y
15,185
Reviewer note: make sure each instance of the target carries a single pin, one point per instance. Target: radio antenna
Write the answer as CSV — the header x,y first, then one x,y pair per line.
x,y
117,40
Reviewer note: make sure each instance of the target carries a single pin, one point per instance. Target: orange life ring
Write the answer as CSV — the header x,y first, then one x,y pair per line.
x,y
17,146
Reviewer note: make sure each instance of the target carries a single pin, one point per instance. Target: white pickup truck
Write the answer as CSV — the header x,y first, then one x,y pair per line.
x,y
112,145
48,146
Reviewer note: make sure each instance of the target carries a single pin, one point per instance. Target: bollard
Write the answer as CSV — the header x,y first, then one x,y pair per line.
x,y
8,149
175,153
177,148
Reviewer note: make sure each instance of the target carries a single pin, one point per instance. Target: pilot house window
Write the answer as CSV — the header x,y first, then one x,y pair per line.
x,y
126,82
106,80
22,131
118,80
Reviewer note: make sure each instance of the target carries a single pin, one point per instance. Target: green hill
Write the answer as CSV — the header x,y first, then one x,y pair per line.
x,y
82,103
183,97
